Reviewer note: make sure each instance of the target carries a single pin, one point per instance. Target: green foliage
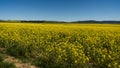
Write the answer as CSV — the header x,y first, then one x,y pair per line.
x,y
1,59
5,64
63,45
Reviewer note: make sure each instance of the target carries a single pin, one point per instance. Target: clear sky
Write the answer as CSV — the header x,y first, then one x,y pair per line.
x,y
60,10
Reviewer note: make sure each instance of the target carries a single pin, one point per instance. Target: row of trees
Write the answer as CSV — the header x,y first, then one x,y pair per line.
x,y
43,21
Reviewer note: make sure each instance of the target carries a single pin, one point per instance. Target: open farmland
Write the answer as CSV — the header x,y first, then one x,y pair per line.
x,y
62,45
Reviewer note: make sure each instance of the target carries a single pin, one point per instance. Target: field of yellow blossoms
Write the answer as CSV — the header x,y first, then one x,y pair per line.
x,y
63,45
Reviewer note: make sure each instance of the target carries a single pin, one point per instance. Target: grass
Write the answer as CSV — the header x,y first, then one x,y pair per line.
x,y
5,64
63,45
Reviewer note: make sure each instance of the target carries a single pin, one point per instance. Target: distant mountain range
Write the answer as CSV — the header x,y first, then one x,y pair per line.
x,y
82,22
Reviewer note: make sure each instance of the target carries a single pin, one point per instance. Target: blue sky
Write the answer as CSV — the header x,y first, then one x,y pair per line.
x,y
60,10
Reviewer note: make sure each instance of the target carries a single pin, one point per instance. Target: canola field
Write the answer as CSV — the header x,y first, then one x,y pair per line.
x,y
63,45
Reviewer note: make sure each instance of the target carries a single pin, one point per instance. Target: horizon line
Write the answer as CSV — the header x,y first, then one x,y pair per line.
x,y
56,20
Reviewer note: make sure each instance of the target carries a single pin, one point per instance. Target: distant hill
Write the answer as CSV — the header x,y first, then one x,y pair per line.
x,y
99,22
82,22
